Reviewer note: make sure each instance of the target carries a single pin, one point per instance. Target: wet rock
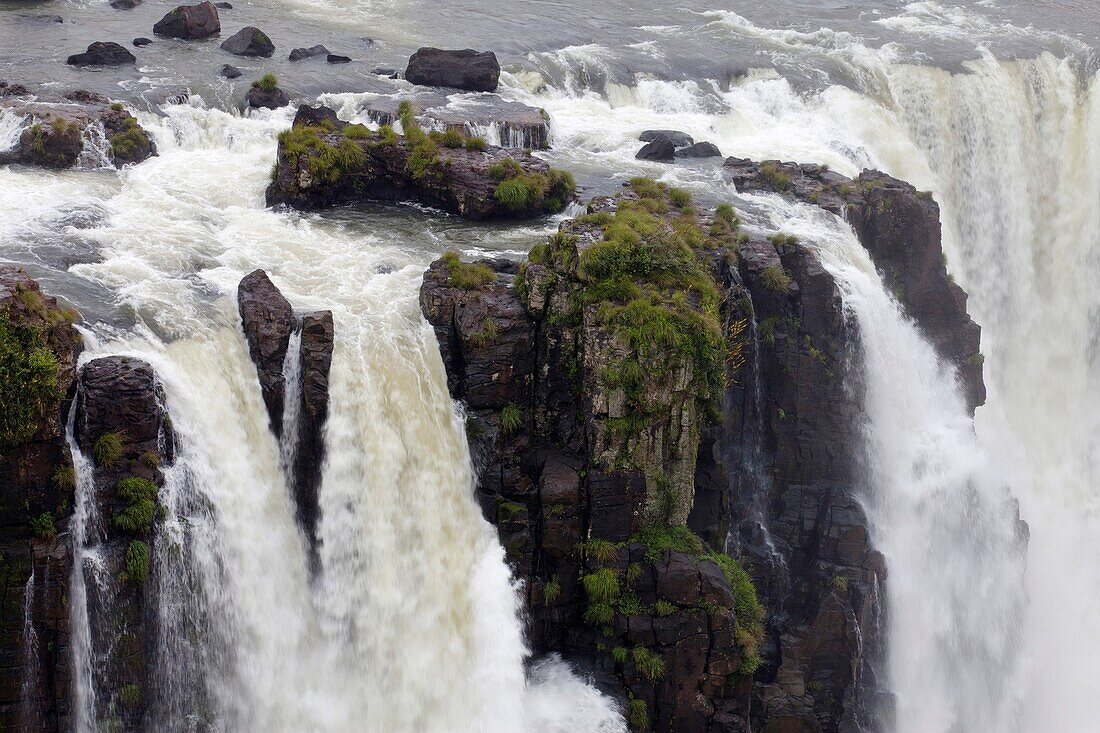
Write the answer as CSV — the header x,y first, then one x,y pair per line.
x,y
249,41
268,320
316,359
677,138
258,98
308,116
699,150
337,59
12,90
125,4
102,53
140,42
223,6
475,71
45,18
190,22
385,71
305,53
660,150
517,125
230,72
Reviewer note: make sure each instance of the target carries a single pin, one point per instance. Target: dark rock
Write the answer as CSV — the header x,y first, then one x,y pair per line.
x,y
230,72
305,53
45,18
139,42
677,138
316,359
466,69
249,41
13,90
337,59
268,320
190,22
385,71
316,116
699,150
83,96
258,98
223,6
660,150
125,4
102,53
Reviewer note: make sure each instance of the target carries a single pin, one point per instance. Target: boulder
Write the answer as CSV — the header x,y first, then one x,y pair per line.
x,y
190,22
699,150
660,150
12,90
338,59
677,138
230,72
102,53
140,42
223,6
318,335
305,53
474,71
249,41
125,4
385,71
320,115
259,98
267,320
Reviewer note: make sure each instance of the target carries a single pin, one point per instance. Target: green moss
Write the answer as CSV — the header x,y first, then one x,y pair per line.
x,y
117,106
150,459
268,82
776,279
658,539
467,275
663,608
774,175
137,562
107,450
28,382
747,609
42,526
601,586
649,665
326,161
511,419
129,694
128,141
140,498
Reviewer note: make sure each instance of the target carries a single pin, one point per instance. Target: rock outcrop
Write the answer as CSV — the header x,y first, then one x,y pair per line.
x,y
58,131
102,53
269,322
665,146
190,22
900,228
473,71
38,353
249,41
517,125
332,163
299,54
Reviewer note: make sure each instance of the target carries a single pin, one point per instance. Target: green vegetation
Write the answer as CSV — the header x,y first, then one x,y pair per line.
x,y
268,82
648,664
357,132
679,197
658,539
129,694
781,239
137,562
451,139
467,275
602,586
487,334
620,654
663,608
326,161
476,144
140,497
776,279
423,163
107,451
150,459
552,590
603,552
774,175
28,382
637,714
747,609
64,478
598,614
129,140
517,190
117,106
42,526
766,331
511,419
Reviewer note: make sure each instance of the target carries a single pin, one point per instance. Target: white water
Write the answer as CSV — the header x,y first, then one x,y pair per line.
x,y
413,624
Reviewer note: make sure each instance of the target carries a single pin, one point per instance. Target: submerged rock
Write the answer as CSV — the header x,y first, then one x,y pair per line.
x,y
249,41
334,58
139,42
699,150
475,71
125,4
190,22
299,54
677,138
102,53
230,72
330,164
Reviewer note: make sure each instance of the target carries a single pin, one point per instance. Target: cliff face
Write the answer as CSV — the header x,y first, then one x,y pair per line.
x,y
598,433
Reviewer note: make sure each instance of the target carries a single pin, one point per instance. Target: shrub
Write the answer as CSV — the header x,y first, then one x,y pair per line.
x,y
137,562
268,82
28,382
776,279
511,419
107,451
648,664
601,586
42,526
140,497
467,275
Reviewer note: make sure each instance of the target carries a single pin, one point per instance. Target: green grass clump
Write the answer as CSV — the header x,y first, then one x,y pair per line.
x,y
511,419
356,132
28,382
451,139
467,275
774,175
663,608
129,694
598,614
603,552
747,609
637,715
128,141
107,450
648,664
268,82
42,526
658,539
387,135
137,562
552,590
140,497
517,190
326,161
64,478
476,144
679,197
620,654
601,586
782,239
775,279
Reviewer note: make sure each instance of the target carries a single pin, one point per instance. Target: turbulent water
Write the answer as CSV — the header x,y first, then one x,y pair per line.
x,y
414,624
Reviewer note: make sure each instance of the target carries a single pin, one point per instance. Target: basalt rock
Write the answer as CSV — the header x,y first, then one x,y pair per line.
x,y
335,58
125,4
305,53
267,319
230,72
249,41
190,22
57,128
677,138
308,116
699,150
900,228
102,53
123,430
12,90
260,98
141,42
38,349
474,71
321,166
660,149
316,359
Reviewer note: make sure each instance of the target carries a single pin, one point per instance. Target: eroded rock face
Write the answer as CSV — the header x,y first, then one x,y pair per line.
x,y
900,228
474,71
190,22
268,320
36,500
249,41
102,53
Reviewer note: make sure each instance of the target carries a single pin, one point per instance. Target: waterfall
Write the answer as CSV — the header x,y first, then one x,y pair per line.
x,y
11,127
292,403
95,150
28,702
